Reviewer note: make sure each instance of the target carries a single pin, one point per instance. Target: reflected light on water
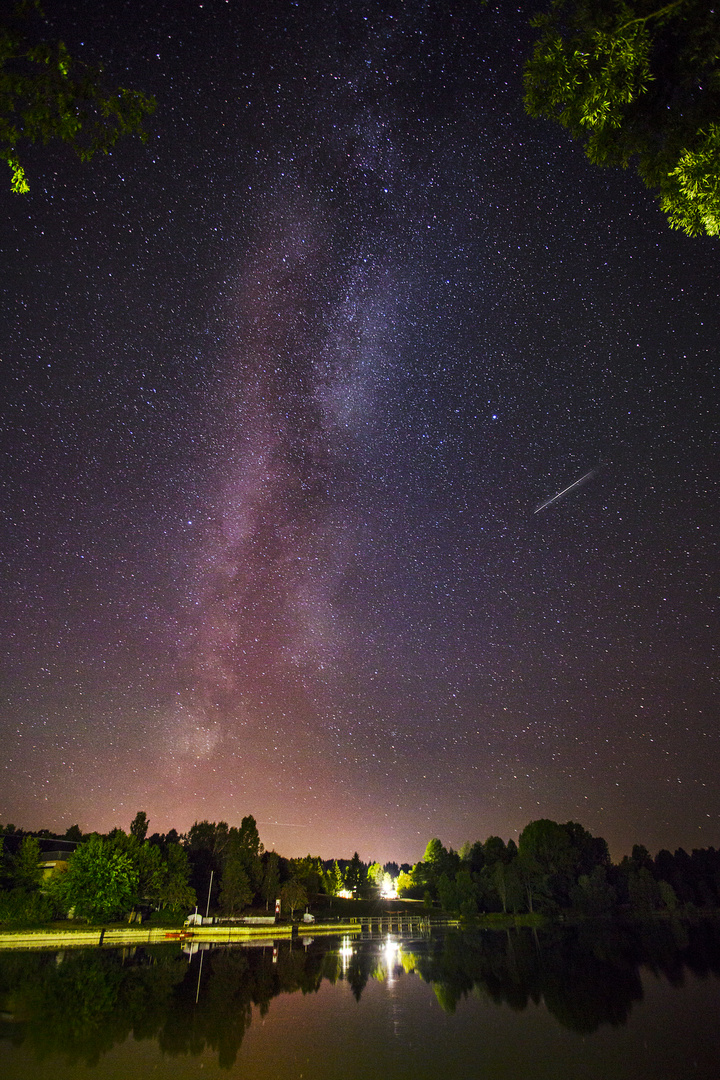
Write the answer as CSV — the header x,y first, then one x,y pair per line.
x,y
346,951
392,955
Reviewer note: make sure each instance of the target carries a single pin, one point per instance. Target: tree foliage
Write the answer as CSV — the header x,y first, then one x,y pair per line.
x,y
236,892
355,876
333,879
434,852
25,871
636,81
242,870
139,826
405,883
270,885
47,95
594,894
100,881
292,896
106,878
375,875
173,888
309,872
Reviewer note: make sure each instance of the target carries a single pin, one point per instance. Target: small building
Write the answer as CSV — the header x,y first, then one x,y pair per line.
x,y
52,861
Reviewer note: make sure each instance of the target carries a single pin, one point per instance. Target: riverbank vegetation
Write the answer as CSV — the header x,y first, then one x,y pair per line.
x,y
554,871
559,869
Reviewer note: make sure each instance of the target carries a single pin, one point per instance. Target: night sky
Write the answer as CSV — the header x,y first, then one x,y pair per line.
x,y
284,388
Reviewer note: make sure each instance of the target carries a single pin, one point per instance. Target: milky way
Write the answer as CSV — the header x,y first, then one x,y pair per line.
x,y
287,387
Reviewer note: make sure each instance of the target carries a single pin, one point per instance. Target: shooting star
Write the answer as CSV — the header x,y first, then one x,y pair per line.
x,y
570,487
284,824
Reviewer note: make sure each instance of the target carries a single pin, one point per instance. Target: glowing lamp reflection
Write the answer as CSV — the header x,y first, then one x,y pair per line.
x,y
346,951
392,956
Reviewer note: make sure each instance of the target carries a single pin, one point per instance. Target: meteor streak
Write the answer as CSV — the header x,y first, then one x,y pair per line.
x,y
564,491
284,824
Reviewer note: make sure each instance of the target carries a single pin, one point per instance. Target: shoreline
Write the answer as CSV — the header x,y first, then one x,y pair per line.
x,y
134,936
118,936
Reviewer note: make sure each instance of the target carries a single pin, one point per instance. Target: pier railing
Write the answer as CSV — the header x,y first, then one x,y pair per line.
x,y
400,923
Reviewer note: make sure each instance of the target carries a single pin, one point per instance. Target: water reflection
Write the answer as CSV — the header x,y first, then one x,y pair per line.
x,y
80,1004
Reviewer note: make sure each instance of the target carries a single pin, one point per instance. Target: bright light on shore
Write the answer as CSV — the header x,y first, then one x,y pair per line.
x,y
388,889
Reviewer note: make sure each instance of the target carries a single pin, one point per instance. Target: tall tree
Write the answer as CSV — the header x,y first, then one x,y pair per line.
x,y
250,837
354,875
549,843
206,844
241,866
147,861
47,95
638,82
25,871
244,845
434,852
235,891
309,872
406,884
270,887
293,896
375,874
333,879
174,889
139,826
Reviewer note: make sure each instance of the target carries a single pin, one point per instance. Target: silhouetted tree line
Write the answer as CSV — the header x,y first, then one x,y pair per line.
x,y
95,877
554,868
215,866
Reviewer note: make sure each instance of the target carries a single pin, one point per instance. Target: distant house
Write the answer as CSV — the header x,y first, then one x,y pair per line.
x,y
52,861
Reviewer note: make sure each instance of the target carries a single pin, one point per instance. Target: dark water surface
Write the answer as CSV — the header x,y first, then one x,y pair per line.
x,y
582,1002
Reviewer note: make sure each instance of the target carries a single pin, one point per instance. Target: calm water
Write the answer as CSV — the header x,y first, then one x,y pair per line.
x,y
610,1004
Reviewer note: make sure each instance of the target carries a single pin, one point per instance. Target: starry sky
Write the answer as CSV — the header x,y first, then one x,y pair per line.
x,y
284,389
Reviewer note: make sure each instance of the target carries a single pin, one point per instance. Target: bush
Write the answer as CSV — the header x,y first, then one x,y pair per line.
x,y
171,917
21,908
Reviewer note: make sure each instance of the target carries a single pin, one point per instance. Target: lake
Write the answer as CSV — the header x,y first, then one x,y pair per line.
x,y
597,1003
